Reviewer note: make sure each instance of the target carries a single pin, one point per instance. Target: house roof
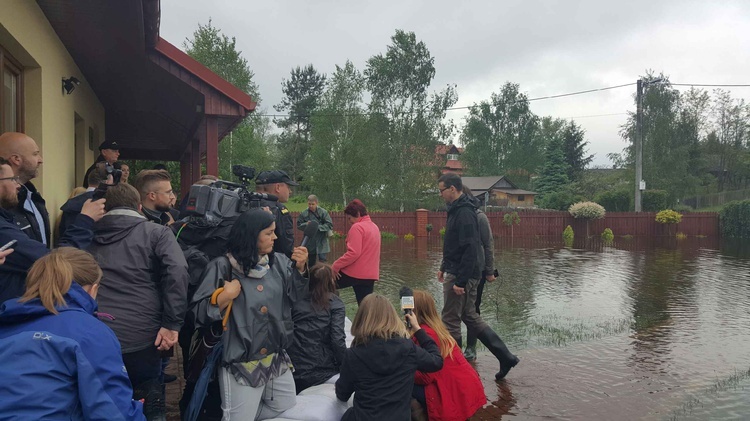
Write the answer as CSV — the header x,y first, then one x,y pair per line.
x,y
454,164
442,149
483,184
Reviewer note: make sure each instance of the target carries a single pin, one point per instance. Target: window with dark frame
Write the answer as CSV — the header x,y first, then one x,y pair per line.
x,y
521,198
11,93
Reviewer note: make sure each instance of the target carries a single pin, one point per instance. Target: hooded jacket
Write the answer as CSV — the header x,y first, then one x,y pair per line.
x,y
455,392
380,373
319,340
25,218
26,251
64,366
260,322
145,279
462,244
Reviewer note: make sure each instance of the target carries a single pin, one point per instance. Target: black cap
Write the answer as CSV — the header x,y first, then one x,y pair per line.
x,y
109,144
273,177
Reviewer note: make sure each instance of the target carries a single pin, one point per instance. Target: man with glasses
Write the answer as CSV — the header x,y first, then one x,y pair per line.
x,y
157,196
26,250
25,158
459,272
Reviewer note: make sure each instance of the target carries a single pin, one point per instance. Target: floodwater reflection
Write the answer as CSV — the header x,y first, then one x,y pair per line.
x,y
636,329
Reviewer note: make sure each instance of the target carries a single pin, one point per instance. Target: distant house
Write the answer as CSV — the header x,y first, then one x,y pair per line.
x,y
447,158
499,191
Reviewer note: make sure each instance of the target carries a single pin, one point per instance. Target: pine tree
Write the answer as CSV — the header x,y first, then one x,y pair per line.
x,y
554,176
574,150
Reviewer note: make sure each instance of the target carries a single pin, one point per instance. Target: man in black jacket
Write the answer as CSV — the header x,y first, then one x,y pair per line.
x,y
460,274
109,152
155,187
279,184
26,250
73,206
144,288
25,158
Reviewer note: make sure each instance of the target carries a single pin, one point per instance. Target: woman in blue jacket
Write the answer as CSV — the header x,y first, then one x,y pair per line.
x,y
57,360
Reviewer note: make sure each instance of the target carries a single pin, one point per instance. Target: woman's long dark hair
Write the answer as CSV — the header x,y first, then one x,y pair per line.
x,y
321,286
243,239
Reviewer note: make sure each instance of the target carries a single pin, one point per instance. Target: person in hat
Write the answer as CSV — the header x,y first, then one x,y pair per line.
x,y
109,151
278,183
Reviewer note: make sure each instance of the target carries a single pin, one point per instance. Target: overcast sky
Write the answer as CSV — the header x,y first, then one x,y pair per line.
x,y
548,47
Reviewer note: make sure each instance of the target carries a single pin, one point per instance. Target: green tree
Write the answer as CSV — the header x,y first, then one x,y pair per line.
x,y
411,121
302,93
731,127
341,147
574,150
500,135
248,143
554,174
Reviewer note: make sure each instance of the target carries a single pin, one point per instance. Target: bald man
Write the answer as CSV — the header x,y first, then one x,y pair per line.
x,y
25,158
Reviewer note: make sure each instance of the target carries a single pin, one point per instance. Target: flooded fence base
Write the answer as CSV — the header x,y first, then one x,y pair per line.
x,y
542,223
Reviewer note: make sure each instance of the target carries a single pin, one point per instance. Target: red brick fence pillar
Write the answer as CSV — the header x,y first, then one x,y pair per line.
x,y
422,222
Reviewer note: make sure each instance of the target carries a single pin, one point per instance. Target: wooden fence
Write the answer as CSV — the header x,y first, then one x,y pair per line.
x,y
544,223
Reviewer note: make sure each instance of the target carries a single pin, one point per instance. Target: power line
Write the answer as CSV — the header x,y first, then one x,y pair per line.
x,y
465,107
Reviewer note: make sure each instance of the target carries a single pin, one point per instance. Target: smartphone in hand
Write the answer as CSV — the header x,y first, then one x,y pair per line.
x,y
8,245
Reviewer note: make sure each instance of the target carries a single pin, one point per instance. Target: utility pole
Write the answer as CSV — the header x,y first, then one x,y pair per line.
x,y
638,144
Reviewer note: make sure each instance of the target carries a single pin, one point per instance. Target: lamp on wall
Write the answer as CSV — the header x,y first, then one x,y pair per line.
x,y
69,84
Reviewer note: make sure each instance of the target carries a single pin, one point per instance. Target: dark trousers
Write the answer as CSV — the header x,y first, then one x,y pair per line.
x,y
143,366
461,308
362,287
480,291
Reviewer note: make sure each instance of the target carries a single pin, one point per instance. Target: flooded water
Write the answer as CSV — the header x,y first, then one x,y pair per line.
x,y
640,329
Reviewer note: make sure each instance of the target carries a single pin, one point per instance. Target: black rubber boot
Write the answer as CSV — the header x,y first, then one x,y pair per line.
x,y
471,346
154,407
496,345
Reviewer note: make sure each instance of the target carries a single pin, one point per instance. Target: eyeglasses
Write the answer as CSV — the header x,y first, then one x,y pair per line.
x,y
442,190
16,179
168,193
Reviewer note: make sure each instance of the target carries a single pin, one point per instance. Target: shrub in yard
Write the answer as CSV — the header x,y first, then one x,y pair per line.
x,y
608,235
560,200
568,233
668,216
442,232
654,200
587,210
614,200
735,219
388,235
409,236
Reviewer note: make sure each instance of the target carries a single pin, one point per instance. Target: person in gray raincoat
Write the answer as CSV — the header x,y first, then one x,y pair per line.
x,y
318,247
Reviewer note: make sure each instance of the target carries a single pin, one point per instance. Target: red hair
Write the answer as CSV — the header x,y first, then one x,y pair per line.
x,y
356,208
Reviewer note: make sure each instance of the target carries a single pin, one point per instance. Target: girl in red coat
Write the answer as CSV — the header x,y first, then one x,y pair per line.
x,y
454,392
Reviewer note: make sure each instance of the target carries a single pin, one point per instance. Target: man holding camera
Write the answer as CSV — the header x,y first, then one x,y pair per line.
x,y
73,206
109,152
278,183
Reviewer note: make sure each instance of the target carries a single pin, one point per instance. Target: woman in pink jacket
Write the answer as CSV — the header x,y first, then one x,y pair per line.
x,y
359,267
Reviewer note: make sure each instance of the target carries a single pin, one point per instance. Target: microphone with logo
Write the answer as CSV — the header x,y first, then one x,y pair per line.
x,y
310,230
407,302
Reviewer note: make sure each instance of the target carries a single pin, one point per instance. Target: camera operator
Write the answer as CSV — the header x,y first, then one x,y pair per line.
x,y
278,183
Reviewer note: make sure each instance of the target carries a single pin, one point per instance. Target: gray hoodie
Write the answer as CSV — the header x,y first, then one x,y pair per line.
x,y
144,285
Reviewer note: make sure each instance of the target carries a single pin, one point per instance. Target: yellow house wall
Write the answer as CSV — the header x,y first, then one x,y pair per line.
x,y
49,115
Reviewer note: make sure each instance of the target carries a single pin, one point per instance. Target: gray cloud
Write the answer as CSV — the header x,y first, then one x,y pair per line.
x,y
548,47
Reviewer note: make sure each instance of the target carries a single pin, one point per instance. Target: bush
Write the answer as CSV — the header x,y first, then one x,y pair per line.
x,y
428,227
668,216
409,237
735,219
614,201
587,210
388,235
654,200
511,218
337,235
442,232
608,235
560,200
568,233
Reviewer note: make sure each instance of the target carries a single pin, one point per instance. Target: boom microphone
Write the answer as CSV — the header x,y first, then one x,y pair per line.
x,y
310,230
407,301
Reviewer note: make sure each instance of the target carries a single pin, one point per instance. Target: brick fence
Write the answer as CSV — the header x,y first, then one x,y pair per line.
x,y
542,223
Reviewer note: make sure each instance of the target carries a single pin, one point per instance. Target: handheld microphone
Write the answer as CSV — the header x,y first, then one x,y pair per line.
x,y
310,230
407,302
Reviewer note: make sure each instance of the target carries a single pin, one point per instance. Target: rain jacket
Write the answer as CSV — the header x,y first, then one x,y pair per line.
x,y
319,340
462,243
319,243
261,318
25,217
71,209
64,366
454,393
145,279
27,251
382,375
